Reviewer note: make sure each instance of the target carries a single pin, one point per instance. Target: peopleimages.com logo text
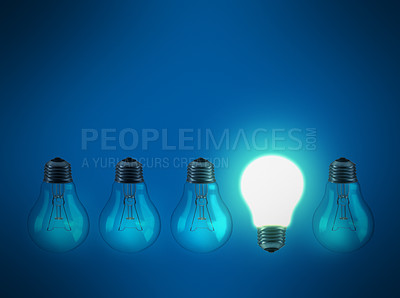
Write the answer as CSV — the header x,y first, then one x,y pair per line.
x,y
184,139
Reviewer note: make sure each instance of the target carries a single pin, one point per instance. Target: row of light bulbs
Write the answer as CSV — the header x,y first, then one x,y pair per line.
x,y
271,185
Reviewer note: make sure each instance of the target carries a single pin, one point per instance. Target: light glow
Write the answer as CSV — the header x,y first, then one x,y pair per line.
x,y
272,186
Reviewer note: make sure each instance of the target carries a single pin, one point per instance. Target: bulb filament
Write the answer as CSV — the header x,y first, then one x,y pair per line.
x,y
343,217
201,218
130,217
58,216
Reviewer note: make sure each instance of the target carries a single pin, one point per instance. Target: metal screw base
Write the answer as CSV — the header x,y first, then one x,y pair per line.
x,y
57,170
342,170
271,238
129,170
200,171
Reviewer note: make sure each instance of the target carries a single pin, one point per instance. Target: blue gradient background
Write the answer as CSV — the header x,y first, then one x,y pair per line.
x,y
332,65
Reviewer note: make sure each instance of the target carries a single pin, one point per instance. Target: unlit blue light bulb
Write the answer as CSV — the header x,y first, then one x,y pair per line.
x,y
343,221
58,222
201,222
129,222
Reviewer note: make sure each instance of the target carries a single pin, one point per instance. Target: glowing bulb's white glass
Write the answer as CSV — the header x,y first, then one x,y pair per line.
x,y
272,186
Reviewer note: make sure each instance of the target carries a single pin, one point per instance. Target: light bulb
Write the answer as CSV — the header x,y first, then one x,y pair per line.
x,y
58,222
272,186
343,221
201,222
129,222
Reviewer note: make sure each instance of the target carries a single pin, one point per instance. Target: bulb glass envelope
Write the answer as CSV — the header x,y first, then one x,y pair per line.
x,y
272,186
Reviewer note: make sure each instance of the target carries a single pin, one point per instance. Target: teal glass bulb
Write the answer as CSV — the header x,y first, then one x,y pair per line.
x,y
343,221
58,222
201,222
129,222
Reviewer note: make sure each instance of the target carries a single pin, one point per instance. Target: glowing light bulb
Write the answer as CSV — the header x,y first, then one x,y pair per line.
x,y
201,222
343,221
58,222
129,222
272,186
